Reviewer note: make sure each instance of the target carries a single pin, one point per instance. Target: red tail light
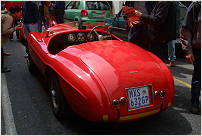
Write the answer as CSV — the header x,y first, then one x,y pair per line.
x,y
111,13
84,12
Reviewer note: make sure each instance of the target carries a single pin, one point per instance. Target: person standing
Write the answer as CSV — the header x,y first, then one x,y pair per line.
x,y
171,44
190,36
30,16
171,53
161,26
138,31
9,4
59,7
41,16
7,22
47,17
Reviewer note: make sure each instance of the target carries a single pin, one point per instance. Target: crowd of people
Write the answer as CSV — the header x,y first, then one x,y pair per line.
x,y
157,23
33,15
159,27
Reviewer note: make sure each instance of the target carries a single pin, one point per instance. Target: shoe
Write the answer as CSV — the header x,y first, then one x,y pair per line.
x,y
5,70
172,64
195,110
26,56
7,54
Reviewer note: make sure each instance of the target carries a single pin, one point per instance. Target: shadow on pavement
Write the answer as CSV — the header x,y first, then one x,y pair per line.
x,y
169,122
182,69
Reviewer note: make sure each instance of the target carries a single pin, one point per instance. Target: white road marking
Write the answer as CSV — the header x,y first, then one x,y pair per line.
x,y
6,108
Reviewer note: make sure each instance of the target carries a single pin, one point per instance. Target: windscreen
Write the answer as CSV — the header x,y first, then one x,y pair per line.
x,y
97,5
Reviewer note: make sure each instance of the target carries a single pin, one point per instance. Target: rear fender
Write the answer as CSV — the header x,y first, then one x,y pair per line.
x,y
83,91
169,96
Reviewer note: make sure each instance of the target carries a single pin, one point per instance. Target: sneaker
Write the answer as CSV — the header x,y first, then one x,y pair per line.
x,y
26,56
172,64
5,70
195,110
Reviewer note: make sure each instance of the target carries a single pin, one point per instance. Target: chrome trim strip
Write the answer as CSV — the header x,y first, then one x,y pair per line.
x,y
140,115
140,108
118,28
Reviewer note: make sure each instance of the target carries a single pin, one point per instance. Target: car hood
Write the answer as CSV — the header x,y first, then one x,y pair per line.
x,y
120,65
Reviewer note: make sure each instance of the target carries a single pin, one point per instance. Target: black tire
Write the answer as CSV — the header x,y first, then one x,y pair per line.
x,y
58,102
30,64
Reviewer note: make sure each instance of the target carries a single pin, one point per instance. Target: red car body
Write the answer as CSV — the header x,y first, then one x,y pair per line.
x,y
9,4
98,77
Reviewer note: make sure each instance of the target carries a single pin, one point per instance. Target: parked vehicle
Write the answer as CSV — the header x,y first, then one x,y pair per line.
x,y
87,11
118,22
118,25
99,76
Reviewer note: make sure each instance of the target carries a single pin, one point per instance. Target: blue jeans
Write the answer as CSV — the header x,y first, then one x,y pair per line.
x,y
196,78
171,51
29,28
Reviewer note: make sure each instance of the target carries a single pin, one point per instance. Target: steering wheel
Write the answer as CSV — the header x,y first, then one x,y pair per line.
x,y
102,37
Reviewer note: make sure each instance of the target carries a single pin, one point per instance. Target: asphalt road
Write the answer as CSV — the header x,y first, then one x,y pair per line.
x,y
30,106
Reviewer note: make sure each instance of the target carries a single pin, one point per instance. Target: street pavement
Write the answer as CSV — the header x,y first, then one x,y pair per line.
x,y
30,106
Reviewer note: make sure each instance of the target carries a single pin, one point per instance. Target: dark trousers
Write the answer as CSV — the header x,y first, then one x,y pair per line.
x,y
158,49
196,78
42,19
59,19
17,34
137,35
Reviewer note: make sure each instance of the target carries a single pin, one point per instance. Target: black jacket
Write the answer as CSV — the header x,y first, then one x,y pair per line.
x,y
30,12
59,8
161,22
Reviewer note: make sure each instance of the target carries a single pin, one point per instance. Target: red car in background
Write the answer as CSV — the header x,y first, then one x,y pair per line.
x,y
9,4
99,76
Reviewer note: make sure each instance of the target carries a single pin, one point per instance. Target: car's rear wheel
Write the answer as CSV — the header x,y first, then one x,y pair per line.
x,y
30,63
58,102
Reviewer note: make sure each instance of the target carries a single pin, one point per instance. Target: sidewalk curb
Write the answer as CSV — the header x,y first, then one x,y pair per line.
x,y
6,108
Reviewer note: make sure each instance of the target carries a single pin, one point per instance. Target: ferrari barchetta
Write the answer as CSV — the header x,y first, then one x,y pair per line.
x,y
99,76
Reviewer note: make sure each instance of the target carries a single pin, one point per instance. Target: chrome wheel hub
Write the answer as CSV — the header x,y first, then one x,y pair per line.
x,y
53,97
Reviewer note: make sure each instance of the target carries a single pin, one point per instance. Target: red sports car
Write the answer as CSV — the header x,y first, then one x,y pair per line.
x,y
99,76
